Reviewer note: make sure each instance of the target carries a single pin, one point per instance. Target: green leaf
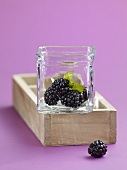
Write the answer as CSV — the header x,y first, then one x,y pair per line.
x,y
68,75
78,87
71,83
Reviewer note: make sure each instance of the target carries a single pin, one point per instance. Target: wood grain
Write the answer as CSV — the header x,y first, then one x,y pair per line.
x,y
63,129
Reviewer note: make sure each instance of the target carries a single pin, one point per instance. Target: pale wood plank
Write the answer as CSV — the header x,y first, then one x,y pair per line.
x,y
63,129
25,104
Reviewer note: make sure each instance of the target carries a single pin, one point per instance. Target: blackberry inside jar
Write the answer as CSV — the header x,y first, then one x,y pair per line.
x,y
66,91
65,80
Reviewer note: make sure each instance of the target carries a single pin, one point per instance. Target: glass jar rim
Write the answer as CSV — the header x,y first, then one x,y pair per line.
x,y
63,47
66,50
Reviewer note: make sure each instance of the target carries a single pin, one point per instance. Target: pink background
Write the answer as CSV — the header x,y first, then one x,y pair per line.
x,y
27,24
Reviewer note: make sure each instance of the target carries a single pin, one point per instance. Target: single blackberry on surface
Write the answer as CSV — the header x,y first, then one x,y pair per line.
x,y
97,149
50,96
61,86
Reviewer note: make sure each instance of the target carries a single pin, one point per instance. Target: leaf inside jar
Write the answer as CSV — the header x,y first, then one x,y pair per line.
x,y
68,75
74,86
78,87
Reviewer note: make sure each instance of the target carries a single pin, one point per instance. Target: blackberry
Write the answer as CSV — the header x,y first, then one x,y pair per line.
x,y
61,86
85,95
97,149
50,96
72,99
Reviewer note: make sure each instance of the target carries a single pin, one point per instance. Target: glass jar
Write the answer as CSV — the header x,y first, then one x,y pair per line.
x,y
65,79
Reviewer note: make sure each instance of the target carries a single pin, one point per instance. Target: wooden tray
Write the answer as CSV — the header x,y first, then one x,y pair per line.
x,y
63,129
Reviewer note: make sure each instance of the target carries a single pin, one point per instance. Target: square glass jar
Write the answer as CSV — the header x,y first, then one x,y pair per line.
x,y
65,79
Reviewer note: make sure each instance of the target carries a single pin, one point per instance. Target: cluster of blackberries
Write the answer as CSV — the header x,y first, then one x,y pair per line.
x,y
60,90
97,149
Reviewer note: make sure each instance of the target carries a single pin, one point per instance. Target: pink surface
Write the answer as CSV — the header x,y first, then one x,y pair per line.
x,y
27,24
